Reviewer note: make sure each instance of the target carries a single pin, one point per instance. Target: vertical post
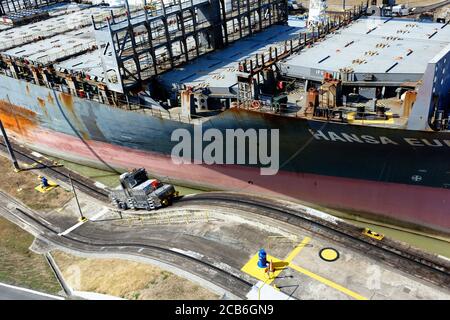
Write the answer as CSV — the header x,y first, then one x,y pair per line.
x,y
239,18
14,6
249,18
194,27
8,146
130,30
224,21
150,41
260,14
9,8
82,218
167,35
183,32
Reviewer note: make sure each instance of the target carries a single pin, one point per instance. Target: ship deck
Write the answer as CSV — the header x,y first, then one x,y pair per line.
x,y
217,70
393,50
65,40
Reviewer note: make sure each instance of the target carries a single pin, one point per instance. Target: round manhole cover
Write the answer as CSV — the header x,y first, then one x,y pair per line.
x,y
329,254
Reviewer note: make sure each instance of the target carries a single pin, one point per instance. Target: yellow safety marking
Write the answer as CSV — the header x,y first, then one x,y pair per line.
x,y
297,249
328,282
389,121
372,234
41,189
351,119
251,268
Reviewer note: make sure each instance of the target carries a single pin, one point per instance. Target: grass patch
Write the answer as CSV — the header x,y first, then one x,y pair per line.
x,y
21,267
127,279
21,186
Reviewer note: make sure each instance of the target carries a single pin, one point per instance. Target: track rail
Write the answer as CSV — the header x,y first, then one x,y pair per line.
x,y
408,262
95,246
403,258
60,172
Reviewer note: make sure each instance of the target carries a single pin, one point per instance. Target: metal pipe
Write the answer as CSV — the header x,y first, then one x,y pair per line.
x,y
76,197
9,147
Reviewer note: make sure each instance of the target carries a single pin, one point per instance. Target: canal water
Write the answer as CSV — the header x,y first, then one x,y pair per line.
x,y
431,243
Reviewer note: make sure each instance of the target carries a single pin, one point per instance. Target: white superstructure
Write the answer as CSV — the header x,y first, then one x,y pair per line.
x,y
317,14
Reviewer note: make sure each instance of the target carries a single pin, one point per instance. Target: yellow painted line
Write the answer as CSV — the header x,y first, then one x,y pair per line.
x,y
297,249
251,268
328,282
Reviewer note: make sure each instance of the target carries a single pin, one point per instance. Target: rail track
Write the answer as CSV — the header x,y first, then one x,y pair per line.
x,y
59,172
349,235
405,258
96,245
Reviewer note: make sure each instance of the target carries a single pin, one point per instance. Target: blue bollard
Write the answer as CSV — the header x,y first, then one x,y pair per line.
x,y
262,262
44,182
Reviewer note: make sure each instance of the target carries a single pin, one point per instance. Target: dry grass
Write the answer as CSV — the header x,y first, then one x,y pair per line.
x,y
21,186
18,265
127,279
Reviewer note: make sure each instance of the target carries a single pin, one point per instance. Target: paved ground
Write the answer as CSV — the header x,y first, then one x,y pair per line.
x,y
14,293
227,237
351,276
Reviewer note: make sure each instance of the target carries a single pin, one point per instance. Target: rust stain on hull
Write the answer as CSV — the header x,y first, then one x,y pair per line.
x,y
17,119
50,99
67,101
41,103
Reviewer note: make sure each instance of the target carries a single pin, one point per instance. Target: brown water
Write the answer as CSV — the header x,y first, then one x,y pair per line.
x,y
423,241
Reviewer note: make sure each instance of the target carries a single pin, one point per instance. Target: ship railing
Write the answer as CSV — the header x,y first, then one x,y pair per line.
x,y
62,25
65,53
159,112
283,49
48,58
297,111
265,60
155,9
11,6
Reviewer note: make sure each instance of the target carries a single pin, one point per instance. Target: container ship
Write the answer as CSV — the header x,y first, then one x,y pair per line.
x,y
360,103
